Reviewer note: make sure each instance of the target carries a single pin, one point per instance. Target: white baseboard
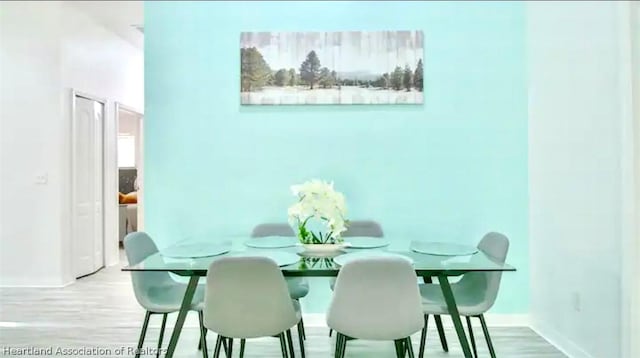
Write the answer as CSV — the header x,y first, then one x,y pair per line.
x,y
559,341
35,285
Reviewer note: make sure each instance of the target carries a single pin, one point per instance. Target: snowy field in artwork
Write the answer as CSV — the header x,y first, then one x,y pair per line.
x,y
344,95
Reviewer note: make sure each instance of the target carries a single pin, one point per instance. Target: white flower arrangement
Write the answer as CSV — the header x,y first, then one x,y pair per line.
x,y
319,215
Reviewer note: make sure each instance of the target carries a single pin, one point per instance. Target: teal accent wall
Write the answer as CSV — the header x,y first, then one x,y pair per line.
x,y
449,170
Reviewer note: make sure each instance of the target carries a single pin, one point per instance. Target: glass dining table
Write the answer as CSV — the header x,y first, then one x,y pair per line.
x,y
426,266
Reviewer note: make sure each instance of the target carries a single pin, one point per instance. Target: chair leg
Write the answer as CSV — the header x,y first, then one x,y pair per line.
x,y
230,348
336,353
225,346
216,351
423,336
473,339
343,344
143,333
443,337
409,347
242,343
290,343
283,345
330,332
400,349
301,325
485,330
200,342
203,332
301,338
164,323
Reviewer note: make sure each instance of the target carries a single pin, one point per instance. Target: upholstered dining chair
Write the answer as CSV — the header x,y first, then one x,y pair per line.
x,y
157,292
475,293
365,228
298,286
370,228
260,307
376,299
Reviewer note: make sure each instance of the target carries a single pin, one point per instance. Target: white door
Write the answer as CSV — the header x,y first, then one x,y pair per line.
x,y
88,188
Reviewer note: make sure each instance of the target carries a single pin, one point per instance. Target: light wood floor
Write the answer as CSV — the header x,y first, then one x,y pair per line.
x,y
101,311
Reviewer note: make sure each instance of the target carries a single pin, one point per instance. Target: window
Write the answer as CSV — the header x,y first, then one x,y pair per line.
x,y
126,151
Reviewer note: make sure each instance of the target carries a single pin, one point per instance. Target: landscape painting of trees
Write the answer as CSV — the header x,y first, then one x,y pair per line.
x,y
350,67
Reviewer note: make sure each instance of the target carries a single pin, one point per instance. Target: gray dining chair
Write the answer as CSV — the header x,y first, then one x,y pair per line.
x,y
236,311
376,298
370,228
365,228
475,293
362,228
298,286
157,292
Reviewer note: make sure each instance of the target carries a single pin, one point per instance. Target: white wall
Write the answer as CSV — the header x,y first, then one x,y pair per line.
x,y
576,153
47,48
30,216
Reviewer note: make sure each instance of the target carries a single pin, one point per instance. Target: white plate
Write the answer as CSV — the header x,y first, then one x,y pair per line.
x,y
280,257
195,249
443,248
272,242
365,242
343,259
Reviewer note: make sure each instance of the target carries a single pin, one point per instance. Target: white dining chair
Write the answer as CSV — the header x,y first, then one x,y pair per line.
x,y
475,293
376,298
247,297
157,292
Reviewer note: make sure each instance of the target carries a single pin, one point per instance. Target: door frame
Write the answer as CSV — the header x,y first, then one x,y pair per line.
x,y
140,165
75,93
629,13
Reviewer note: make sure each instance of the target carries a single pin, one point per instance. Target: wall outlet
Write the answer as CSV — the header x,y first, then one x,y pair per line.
x,y
42,178
575,301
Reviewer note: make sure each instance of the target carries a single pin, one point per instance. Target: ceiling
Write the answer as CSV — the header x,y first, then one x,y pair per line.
x,y
124,18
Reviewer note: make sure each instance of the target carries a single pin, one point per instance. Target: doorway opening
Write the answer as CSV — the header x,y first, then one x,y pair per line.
x,y
129,170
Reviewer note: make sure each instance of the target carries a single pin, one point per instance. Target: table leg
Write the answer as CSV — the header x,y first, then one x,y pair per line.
x,y
438,319
455,315
184,308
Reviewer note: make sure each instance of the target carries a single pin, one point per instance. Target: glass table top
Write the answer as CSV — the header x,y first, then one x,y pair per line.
x,y
315,266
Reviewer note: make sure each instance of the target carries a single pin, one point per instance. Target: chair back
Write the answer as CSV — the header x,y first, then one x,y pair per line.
x,y
368,228
376,298
272,229
138,246
486,284
247,297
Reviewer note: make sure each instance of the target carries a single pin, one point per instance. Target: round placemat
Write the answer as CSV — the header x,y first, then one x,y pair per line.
x,y
195,249
272,242
343,259
365,242
281,258
443,248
